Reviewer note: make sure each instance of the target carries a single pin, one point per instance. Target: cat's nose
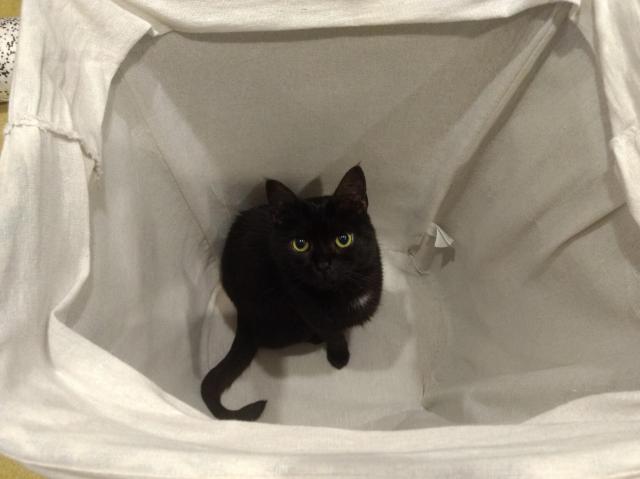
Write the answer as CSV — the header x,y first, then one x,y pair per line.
x,y
323,265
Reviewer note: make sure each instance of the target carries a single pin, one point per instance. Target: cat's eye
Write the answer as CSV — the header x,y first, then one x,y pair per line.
x,y
344,240
299,245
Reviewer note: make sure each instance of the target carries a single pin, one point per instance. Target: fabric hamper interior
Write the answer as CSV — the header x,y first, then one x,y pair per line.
x,y
494,130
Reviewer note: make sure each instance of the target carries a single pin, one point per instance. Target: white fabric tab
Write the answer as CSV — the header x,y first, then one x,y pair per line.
x,y
442,238
422,255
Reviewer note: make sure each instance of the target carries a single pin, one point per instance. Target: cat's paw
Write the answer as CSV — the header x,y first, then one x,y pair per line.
x,y
338,357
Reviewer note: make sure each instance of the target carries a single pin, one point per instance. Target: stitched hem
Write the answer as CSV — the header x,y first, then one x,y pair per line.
x,y
72,135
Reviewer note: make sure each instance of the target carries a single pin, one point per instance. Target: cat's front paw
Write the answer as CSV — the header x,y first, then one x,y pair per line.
x,y
338,356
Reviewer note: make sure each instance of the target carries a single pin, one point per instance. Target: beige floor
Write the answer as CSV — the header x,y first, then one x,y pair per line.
x,y
12,470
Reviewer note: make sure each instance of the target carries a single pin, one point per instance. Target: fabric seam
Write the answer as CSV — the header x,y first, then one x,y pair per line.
x,y
539,42
168,168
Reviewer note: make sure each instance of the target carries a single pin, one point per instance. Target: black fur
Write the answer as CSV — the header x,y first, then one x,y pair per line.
x,y
285,297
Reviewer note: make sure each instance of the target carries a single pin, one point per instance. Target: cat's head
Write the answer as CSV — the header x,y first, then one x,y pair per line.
x,y
327,242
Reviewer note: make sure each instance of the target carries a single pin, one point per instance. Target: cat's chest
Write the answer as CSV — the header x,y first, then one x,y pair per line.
x,y
350,310
360,302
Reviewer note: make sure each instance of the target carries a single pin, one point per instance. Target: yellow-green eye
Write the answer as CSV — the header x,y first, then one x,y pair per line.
x,y
344,240
299,245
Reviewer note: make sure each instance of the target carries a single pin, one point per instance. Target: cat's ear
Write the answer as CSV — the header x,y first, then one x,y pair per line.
x,y
278,195
353,189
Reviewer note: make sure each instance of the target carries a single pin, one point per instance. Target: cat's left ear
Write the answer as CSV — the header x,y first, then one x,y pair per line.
x,y
353,189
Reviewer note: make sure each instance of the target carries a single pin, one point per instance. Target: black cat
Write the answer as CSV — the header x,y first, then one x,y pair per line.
x,y
297,270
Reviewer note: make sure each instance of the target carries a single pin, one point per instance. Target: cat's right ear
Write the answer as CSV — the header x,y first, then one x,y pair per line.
x,y
278,196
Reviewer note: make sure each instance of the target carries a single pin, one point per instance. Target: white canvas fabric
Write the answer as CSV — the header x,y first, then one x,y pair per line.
x,y
507,339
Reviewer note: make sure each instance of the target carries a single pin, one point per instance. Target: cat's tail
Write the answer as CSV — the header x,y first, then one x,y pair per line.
x,y
220,378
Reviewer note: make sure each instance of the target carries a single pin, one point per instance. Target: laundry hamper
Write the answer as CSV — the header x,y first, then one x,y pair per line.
x,y
500,144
